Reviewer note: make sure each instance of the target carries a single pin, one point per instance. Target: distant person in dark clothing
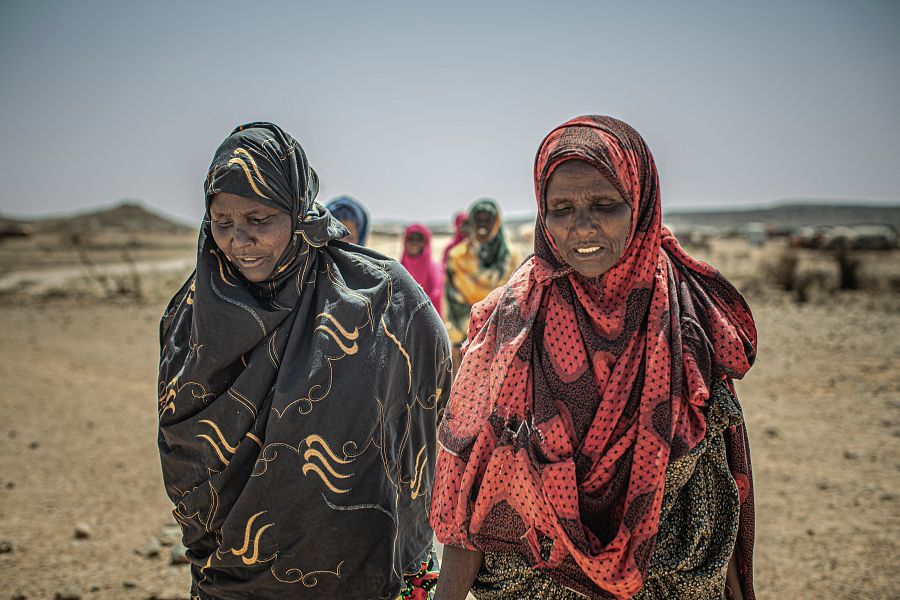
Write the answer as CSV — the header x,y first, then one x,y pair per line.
x,y
353,215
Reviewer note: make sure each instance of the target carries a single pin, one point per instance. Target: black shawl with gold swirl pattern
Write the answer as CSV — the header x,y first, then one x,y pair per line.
x,y
297,416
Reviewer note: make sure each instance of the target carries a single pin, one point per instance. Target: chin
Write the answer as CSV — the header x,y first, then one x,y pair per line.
x,y
255,277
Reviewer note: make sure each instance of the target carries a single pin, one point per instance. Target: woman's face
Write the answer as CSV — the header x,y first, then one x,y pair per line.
x,y
353,236
482,226
415,243
587,217
252,236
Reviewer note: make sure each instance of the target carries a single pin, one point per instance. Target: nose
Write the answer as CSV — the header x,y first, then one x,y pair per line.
x,y
585,222
242,238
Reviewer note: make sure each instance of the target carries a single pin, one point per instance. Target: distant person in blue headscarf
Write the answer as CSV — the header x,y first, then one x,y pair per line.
x,y
353,215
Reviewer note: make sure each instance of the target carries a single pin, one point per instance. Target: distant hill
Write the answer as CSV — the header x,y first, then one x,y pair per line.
x,y
126,216
783,215
788,215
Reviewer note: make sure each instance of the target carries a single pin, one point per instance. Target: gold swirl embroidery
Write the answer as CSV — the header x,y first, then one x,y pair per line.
x,y
402,351
170,393
215,445
307,579
316,454
273,353
241,151
309,467
316,438
416,484
319,391
167,400
180,512
351,337
243,165
222,268
190,297
242,551
242,400
312,467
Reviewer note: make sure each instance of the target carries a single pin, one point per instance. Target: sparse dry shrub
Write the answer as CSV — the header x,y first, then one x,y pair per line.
x,y
811,282
848,268
893,284
128,286
784,272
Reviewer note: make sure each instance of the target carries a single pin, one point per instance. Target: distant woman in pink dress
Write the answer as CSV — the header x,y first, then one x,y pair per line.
x,y
461,226
417,260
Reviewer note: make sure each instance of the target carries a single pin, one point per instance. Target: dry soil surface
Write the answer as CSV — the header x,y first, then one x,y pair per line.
x,y
82,507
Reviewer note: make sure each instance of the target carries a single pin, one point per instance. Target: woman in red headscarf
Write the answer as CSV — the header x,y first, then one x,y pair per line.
x,y
417,260
593,444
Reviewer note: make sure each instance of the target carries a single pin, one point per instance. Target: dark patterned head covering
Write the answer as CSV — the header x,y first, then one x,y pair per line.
x,y
574,394
289,478
348,208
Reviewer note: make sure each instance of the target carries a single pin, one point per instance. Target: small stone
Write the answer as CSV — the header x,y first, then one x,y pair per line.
x,y
810,532
823,485
82,531
850,455
149,550
129,584
95,589
19,596
10,485
68,594
772,432
5,547
170,535
887,497
34,445
177,555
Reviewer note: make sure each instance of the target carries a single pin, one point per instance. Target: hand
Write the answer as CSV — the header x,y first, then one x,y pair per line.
x,y
733,589
459,568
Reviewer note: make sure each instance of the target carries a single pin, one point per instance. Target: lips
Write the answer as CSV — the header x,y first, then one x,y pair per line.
x,y
249,261
587,250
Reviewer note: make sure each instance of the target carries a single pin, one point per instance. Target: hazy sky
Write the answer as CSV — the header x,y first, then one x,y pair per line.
x,y
419,108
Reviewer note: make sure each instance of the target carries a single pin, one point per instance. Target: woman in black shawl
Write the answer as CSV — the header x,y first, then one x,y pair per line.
x,y
300,383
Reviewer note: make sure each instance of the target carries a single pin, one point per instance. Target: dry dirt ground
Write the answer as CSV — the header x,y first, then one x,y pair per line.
x,y
78,436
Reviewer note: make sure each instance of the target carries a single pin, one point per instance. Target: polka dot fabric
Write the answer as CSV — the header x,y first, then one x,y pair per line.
x,y
574,395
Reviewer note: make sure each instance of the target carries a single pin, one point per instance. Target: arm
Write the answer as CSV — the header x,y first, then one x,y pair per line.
x,y
458,570
733,581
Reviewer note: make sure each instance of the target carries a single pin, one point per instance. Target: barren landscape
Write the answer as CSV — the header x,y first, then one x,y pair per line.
x,y
82,508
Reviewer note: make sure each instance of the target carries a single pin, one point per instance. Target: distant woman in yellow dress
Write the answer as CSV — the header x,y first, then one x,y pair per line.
x,y
476,267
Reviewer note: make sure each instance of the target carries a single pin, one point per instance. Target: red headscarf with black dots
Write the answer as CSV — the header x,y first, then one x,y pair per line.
x,y
574,394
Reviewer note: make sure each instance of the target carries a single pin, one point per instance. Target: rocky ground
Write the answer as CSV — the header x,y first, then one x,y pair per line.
x,y
82,508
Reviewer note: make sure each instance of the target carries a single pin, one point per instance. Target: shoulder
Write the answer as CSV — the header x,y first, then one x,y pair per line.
x,y
511,300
